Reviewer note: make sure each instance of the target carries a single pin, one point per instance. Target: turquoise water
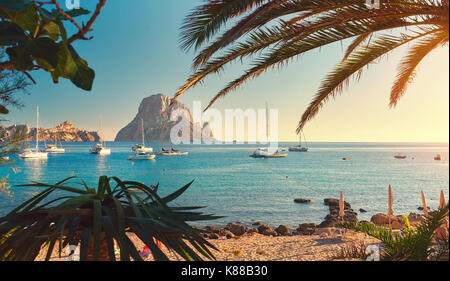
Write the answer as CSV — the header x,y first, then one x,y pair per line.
x,y
232,184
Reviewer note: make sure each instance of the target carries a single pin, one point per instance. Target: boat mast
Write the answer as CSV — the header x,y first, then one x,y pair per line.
x,y
143,140
267,121
37,128
101,127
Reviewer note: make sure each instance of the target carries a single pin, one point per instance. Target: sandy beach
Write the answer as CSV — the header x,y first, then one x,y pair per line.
x,y
257,247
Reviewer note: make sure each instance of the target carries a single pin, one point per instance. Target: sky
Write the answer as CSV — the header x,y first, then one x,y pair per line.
x,y
136,53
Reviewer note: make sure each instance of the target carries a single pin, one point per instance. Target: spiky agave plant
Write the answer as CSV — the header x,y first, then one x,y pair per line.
x,y
273,32
411,244
95,218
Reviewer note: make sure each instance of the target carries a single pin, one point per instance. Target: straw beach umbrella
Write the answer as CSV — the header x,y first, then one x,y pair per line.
x,y
442,204
342,206
424,204
390,211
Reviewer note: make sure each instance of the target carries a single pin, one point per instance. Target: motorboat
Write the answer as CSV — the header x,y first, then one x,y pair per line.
x,y
53,148
171,152
142,156
264,152
400,156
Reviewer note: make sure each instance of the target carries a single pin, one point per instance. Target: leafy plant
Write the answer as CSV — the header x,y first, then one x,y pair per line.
x,y
272,33
96,217
35,37
411,244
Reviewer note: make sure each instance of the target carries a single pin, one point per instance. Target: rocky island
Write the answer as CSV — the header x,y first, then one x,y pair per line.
x,y
64,132
156,112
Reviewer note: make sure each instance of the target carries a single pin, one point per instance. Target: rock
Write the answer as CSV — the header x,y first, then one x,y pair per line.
x,y
226,233
236,229
362,210
262,228
65,132
156,112
307,228
383,219
258,223
333,218
214,236
251,230
269,232
302,201
421,208
212,228
283,230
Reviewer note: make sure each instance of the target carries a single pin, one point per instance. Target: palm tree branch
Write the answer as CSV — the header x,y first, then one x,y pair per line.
x,y
337,79
409,64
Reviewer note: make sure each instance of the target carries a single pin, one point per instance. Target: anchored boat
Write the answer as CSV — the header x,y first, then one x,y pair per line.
x,y
34,154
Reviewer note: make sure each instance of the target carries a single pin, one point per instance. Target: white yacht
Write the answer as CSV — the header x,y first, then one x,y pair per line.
x,y
100,148
267,152
34,154
141,147
142,156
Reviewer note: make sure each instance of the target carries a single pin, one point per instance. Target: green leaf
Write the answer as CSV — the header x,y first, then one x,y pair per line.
x,y
50,29
54,14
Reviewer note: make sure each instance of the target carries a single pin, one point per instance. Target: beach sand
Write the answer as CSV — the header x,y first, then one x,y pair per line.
x,y
256,247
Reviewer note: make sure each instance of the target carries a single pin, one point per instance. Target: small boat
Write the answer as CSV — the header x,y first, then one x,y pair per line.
x,y
299,147
438,157
266,153
4,158
141,147
346,158
400,156
36,154
142,156
100,150
171,152
53,148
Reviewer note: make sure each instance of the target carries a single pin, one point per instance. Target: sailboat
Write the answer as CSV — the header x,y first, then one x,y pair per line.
x,y
267,152
142,152
36,154
100,148
299,147
168,152
53,148
141,147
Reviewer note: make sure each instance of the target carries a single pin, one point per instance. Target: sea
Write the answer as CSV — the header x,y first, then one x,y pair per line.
x,y
229,183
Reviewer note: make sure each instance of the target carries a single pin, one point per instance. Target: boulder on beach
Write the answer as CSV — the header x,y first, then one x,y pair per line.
x,y
362,210
236,229
333,218
307,228
382,218
270,232
283,230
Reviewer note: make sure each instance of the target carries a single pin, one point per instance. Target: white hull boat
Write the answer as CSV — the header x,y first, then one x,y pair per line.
x,y
29,154
36,154
142,156
54,149
100,150
266,153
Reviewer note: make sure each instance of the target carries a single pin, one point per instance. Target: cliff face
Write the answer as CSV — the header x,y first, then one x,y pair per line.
x,y
65,132
155,111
